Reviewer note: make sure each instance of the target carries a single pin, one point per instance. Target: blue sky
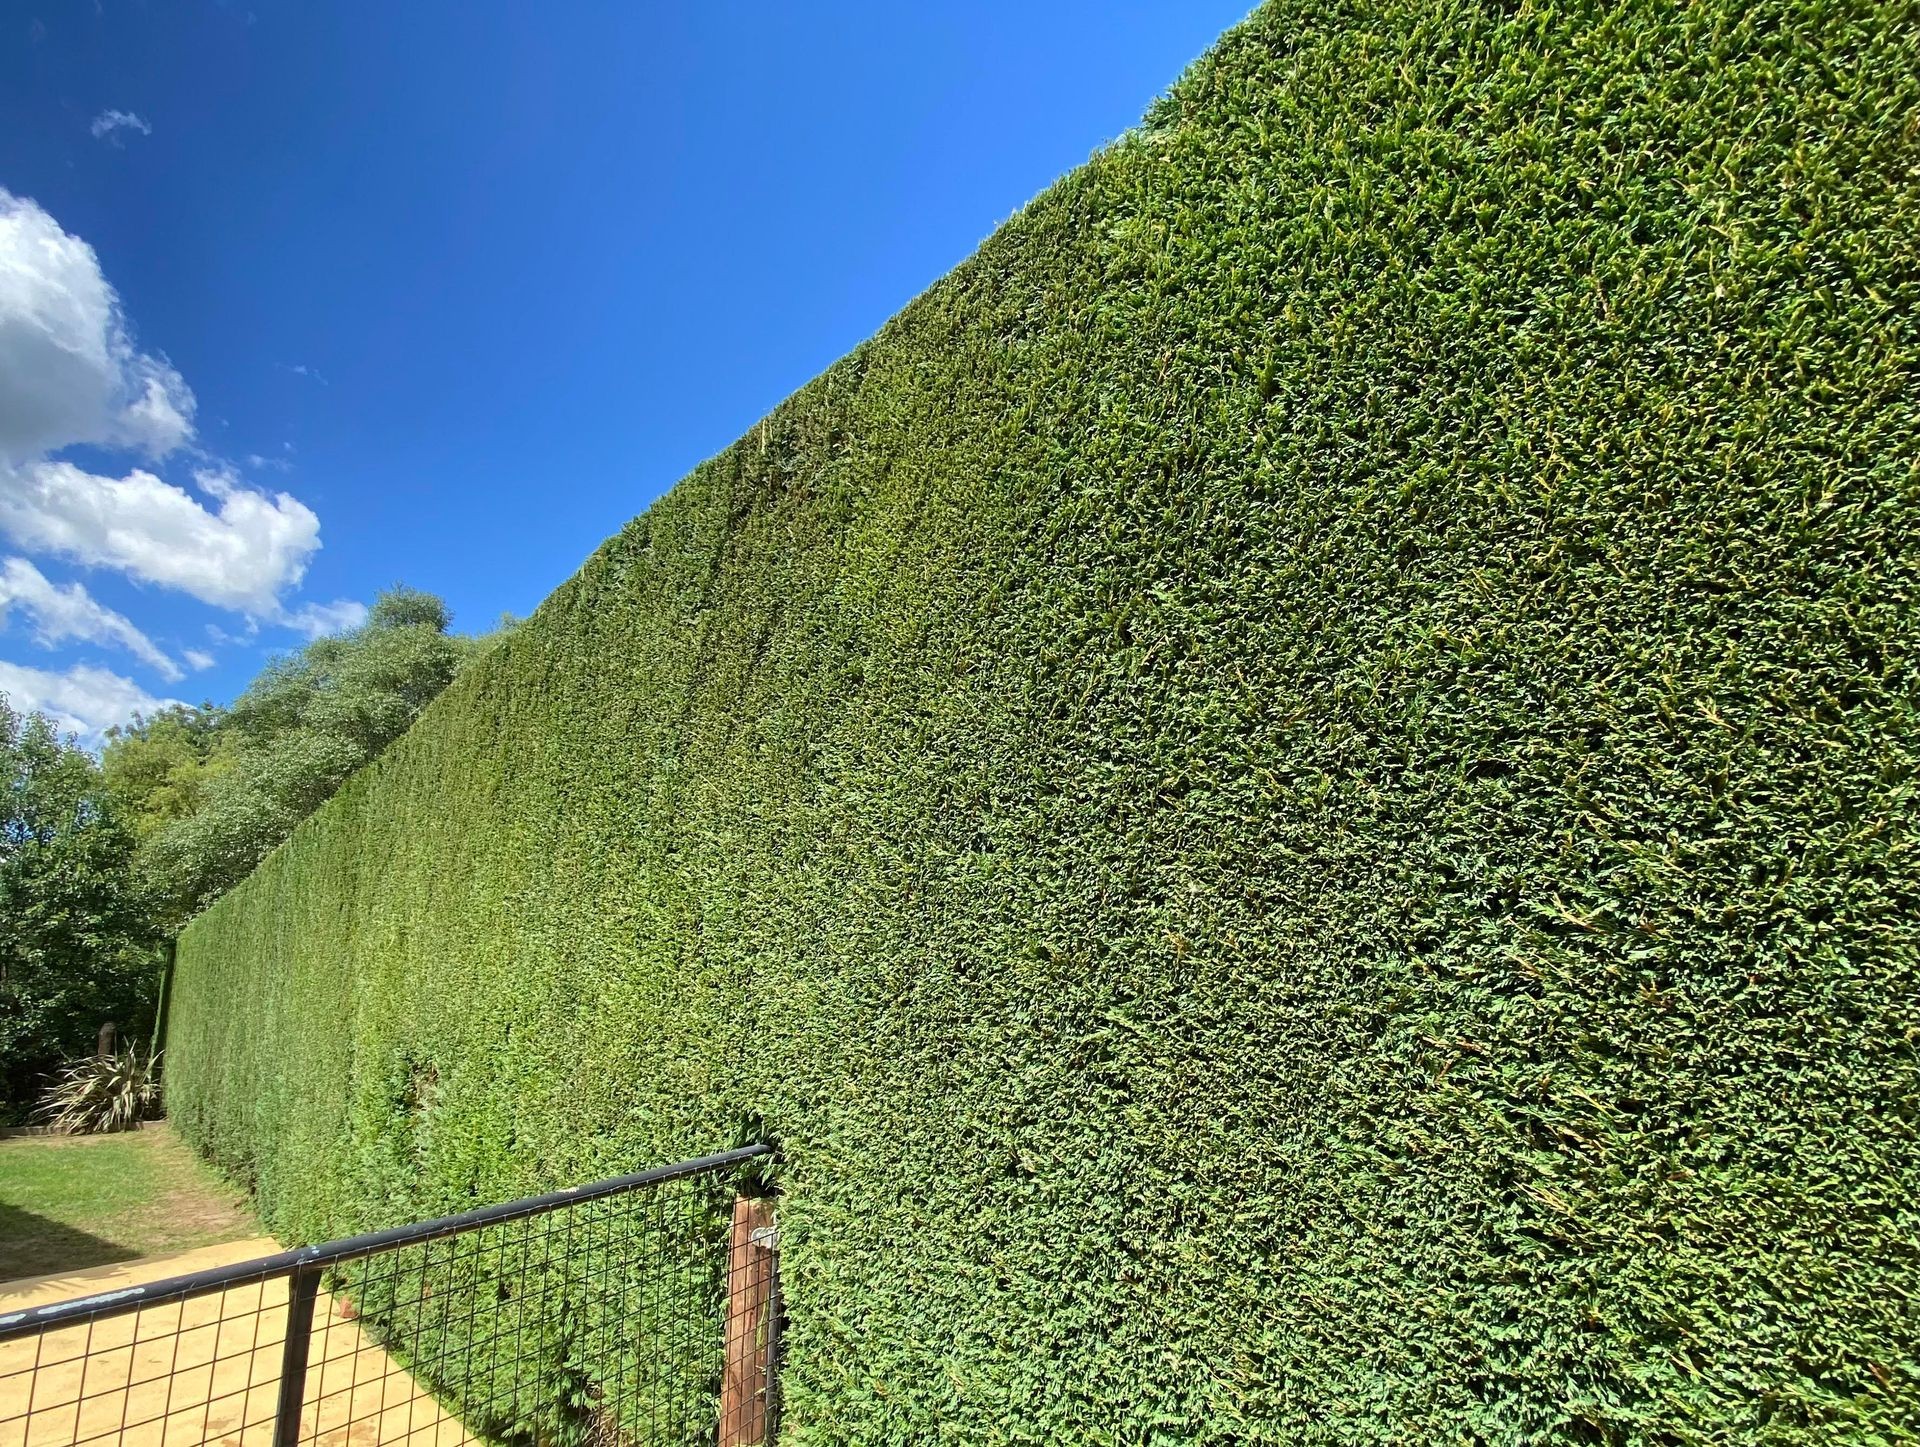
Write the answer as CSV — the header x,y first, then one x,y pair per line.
x,y
297,301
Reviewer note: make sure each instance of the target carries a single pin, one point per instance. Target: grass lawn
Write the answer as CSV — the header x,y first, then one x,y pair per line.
x,y
69,1202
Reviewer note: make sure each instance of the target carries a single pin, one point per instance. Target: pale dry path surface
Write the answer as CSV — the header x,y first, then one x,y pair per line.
x,y
204,1370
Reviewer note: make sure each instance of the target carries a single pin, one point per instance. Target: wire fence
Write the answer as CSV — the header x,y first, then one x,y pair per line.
x,y
612,1314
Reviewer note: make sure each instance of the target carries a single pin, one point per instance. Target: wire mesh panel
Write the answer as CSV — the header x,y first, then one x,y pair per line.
x,y
590,1318
193,1369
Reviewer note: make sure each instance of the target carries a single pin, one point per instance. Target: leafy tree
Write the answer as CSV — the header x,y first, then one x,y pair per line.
x,y
77,940
158,767
223,798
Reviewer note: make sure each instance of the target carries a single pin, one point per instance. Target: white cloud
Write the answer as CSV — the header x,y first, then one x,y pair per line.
x,y
69,372
70,376
71,612
239,555
83,700
108,125
155,422
198,659
317,620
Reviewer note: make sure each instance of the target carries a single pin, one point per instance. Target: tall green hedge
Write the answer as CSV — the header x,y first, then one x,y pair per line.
x,y
1294,794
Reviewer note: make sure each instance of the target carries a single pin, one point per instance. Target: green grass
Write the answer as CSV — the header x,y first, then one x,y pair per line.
x,y
70,1202
1294,794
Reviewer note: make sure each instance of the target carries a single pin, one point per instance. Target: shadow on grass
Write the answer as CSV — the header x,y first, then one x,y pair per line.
x,y
33,1245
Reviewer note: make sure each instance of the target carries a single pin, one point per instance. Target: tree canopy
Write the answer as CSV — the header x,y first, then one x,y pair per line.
x,y
159,766
78,943
212,791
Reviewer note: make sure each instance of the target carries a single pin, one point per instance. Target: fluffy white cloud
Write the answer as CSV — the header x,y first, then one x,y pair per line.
x,y
69,372
197,659
108,124
317,620
71,376
239,554
86,701
155,421
59,614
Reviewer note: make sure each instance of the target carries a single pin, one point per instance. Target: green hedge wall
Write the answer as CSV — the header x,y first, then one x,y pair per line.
x,y
1294,793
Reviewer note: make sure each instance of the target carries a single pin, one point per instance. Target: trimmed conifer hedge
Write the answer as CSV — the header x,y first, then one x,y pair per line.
x,y
1294,794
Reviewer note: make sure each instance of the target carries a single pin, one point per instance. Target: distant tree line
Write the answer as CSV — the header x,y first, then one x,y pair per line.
x,y
100,859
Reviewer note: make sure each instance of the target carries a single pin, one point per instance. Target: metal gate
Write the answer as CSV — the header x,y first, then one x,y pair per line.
x,y
638,1310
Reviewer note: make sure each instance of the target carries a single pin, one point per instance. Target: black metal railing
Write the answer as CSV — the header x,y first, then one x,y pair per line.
x,y
590,1317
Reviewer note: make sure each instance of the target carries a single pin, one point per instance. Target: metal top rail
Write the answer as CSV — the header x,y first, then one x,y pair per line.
x,y
198,1283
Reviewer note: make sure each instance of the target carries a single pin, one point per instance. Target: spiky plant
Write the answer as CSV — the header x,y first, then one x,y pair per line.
x,y
103,1093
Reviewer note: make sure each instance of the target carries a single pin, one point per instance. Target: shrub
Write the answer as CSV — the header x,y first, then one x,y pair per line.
x,y
1293,794
103,1093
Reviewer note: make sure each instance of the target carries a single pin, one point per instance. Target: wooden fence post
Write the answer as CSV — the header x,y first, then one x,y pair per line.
x,y
753,1261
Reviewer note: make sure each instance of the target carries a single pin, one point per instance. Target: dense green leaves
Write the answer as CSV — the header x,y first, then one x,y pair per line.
x,y
77,948
158,768
1293,793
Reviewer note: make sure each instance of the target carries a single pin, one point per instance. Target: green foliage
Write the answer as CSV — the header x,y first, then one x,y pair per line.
x,y
214,791
158,768
565,1291
101,1093
76,944
1293,794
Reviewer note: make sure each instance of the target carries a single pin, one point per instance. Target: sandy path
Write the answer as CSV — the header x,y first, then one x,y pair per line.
x,y
205,1370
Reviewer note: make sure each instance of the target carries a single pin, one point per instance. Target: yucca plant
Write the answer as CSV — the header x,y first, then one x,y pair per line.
x,y
103,1092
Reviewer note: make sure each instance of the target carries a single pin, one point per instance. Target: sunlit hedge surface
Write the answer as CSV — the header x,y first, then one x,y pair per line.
x,y
1293,794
